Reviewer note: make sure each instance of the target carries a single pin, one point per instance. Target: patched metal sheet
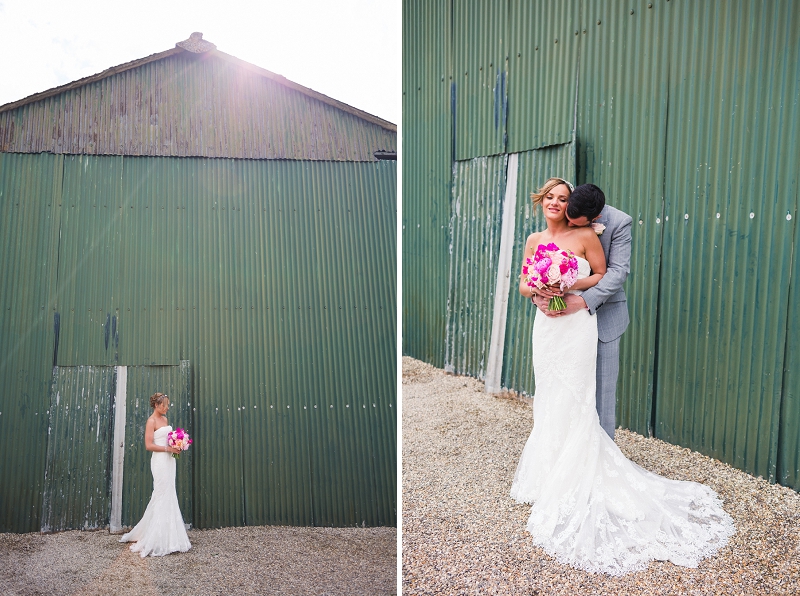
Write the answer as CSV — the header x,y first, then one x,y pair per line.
x,y
542,61
77,478
479,186
479,77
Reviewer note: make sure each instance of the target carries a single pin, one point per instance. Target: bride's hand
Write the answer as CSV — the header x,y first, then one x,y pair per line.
x,y
550,291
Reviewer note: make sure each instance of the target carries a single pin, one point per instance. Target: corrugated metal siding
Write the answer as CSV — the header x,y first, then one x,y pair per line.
x,y
77,480
479,186
722,337
142,382
479,73
542,62
535,167
687,108
427,170
275,279
29,248
191,105
621,138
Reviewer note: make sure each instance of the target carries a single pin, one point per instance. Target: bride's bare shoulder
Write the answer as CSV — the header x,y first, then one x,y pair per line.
x,y
532,241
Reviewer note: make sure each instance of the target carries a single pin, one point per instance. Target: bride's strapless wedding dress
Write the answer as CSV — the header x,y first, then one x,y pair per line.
x,y
593,508
161,530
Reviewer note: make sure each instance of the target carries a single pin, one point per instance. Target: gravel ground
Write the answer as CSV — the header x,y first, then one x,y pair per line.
x,y
463,534
253,560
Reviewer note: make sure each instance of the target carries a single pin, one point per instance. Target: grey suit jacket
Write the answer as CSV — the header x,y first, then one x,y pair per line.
x,y
607,298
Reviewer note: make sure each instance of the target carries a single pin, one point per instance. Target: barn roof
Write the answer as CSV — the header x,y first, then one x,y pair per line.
x,y
192,100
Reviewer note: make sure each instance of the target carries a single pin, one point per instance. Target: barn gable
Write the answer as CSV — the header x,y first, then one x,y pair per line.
x,y
192,101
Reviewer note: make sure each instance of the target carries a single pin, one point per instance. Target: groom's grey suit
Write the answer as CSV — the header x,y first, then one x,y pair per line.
x,y
607,299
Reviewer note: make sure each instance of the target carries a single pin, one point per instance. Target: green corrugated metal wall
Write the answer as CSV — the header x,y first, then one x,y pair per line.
x,y
29,214
274,279
427,167
682,111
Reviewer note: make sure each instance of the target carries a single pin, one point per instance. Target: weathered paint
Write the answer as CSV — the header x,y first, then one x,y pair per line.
x,y
274,279
207,105
77,478
475,226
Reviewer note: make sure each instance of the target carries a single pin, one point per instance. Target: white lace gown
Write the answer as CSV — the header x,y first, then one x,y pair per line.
x,y
161,530
593,508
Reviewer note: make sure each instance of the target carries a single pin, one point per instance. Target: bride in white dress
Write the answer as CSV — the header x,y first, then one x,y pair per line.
x,y
161,530
591,507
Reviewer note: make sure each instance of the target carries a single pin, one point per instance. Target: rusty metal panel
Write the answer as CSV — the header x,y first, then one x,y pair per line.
x,y
479,75
192,105
621,138
535,167
427,169
137,486
542,61
29,222
77,479
479,186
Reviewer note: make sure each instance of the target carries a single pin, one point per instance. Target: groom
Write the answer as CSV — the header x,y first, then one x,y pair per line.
x,y
587,206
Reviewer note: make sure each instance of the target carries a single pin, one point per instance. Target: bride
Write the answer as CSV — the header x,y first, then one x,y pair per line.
x,y
161,530
591,507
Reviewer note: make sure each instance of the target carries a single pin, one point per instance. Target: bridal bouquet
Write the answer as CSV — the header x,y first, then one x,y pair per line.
x,y
551,265
179,439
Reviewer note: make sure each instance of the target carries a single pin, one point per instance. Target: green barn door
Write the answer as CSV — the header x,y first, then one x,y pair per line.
x,y
77,480
137,484
96,460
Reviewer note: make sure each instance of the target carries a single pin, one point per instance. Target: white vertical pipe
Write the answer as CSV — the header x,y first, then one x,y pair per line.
x,y
494,368
115,523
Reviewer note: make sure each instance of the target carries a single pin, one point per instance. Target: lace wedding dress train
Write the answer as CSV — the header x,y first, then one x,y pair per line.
x,y
593,508
161,530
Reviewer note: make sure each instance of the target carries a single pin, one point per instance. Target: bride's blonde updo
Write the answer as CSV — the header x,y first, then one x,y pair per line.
x,y
157,398
547,187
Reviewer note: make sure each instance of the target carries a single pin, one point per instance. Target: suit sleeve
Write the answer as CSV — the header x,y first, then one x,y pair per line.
x,y
618,267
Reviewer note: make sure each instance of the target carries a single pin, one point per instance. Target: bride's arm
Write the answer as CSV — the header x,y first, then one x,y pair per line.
x,y
524,288
596,258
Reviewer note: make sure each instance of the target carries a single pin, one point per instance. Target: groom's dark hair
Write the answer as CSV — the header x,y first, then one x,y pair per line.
x,y
586,200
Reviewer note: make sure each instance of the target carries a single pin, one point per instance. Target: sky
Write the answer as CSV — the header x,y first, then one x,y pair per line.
x,y
346,49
